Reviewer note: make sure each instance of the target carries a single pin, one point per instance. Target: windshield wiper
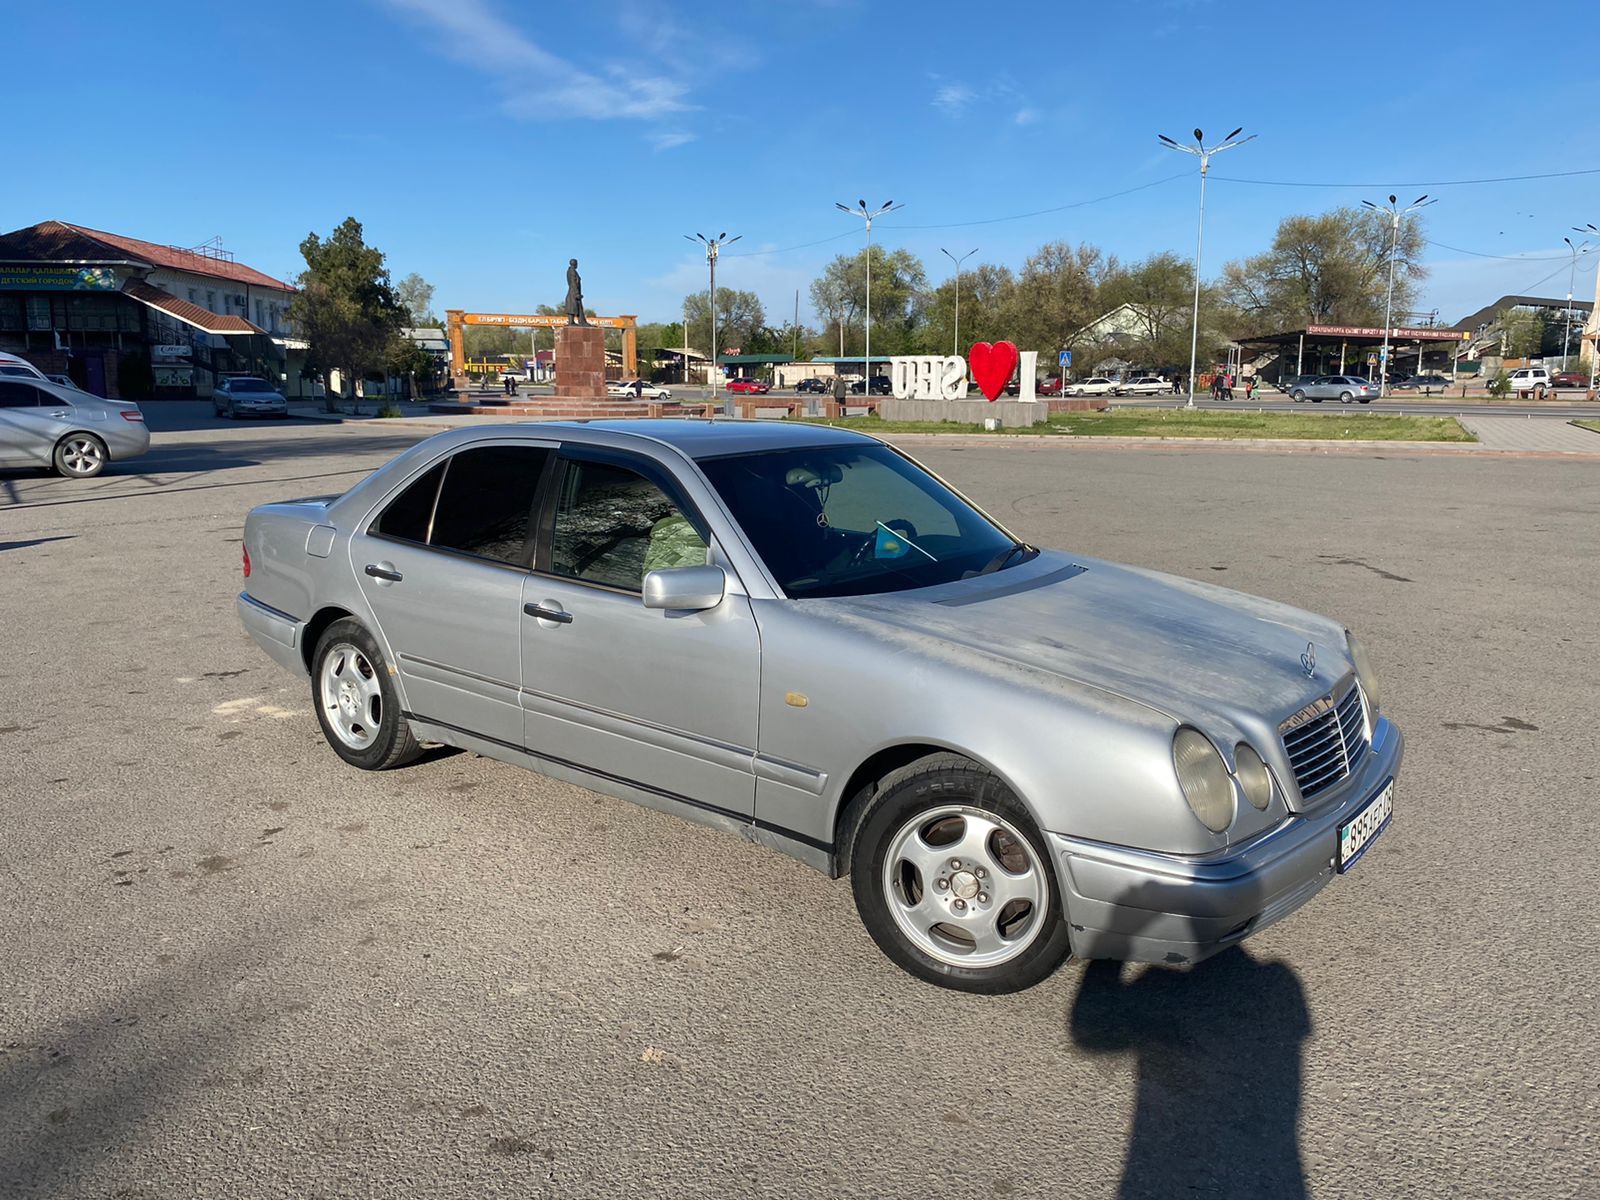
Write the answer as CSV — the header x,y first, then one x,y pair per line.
x,y
999,561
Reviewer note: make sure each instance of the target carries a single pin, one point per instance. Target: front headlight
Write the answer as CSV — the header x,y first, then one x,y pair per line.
x,y
1254,778
1203,776
1363,665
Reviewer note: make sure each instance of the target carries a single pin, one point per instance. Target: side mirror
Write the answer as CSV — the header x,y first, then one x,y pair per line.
x,y
690,589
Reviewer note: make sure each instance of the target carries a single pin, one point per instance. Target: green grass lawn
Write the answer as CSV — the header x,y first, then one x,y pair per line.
x,y
1169,423
1594,425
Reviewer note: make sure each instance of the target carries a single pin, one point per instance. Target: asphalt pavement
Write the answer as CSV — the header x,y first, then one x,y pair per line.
x,y
236,968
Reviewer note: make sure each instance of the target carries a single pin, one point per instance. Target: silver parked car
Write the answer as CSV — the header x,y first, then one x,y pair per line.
x,y
247,396
1344,388
798,635
44,424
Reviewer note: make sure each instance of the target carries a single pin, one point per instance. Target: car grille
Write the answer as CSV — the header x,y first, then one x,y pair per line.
x,y
1326,740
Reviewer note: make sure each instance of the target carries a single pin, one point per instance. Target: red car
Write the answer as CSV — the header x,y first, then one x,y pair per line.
x,y
748,387
1569,379
1049,386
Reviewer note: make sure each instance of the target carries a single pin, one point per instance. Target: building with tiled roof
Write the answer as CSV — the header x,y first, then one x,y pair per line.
x,y
122,315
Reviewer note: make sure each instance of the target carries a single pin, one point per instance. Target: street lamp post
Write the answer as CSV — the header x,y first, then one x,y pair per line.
x,y
955,347
1395,214
713,248
1200,151
861,211
1572,278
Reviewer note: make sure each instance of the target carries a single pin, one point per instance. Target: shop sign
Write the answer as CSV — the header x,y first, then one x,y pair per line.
x,y
46,278
174,377
167,353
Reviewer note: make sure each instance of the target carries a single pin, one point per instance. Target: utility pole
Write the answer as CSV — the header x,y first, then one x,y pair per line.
x,y
955,341
888,206
713,249
1395,214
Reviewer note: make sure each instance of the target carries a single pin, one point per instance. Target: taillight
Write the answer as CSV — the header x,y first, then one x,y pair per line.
x,y
246,562
132,414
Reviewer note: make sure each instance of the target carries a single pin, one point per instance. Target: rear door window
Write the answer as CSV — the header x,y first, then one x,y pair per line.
x,y
613,526
485,505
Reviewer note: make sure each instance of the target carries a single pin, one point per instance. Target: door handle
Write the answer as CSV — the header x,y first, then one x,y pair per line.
x,y
547,614
378,572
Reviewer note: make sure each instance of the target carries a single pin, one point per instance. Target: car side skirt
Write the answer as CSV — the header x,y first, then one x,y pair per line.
x,y
811,851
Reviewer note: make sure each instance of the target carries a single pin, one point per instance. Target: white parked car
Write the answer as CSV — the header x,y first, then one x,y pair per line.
x,y
1529,379
640,389
1096,385
1145,385
238,396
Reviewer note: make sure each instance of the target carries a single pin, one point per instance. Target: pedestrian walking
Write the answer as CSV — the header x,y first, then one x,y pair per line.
x,y
839,392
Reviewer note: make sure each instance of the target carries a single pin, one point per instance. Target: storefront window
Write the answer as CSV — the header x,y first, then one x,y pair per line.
x,y
10,313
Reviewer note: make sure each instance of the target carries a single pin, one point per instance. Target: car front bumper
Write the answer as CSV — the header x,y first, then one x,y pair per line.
x,y
1142,906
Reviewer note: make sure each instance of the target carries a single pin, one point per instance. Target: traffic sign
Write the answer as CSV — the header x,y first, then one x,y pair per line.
x,y
1065,359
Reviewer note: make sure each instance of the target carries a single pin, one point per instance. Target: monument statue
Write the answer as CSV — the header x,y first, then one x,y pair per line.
x,y
575,295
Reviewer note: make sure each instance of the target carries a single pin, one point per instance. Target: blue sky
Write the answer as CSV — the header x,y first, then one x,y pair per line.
x,y
483,142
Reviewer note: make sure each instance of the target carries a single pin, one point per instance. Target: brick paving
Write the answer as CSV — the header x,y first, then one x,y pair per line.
x,y
1532,433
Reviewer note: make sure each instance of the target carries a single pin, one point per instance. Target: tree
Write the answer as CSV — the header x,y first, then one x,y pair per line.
x,y
1521,333
1327,269
1159,297
987,295
1057,294
346,306
740,318
416,294
899,294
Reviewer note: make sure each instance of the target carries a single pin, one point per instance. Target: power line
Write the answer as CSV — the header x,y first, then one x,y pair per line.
x,y
1502,257
785,249
1402,184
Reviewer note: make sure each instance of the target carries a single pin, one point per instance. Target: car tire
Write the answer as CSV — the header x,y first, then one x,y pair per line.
x,y
80,456
1297,396
905,832
1366,399
1346,397
356,702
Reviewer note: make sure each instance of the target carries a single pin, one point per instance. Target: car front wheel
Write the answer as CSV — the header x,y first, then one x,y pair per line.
x,y
1297,395
953,882
356,702
80,456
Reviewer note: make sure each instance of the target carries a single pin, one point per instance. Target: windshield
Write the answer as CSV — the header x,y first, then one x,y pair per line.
x,y
248,385
854,521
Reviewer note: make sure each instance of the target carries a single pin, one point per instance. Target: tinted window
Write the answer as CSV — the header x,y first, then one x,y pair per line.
x,y
23,395
853,520
613,525
486,504
248,385
411,512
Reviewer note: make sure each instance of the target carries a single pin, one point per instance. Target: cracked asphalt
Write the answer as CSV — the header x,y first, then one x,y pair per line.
x,y
234,967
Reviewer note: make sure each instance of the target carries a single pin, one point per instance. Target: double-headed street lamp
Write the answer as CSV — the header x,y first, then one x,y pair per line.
x,y
713,247
1200,151
1395,214
955,347
862,211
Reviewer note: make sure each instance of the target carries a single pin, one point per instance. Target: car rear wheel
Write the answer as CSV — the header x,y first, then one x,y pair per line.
x,y
80,456
1366,399
356,702
1346,397
953,881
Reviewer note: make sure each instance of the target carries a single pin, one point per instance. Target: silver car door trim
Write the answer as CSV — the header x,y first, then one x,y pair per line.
x,y
662,737
437,672
776,770
598,773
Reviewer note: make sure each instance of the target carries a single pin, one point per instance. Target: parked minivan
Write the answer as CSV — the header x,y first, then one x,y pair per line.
x,y
1529,379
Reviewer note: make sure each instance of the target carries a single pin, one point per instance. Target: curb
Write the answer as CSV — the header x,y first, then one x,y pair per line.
x,y
1249,445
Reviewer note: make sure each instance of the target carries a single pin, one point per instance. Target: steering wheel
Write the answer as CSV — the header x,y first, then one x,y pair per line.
x,y
869,542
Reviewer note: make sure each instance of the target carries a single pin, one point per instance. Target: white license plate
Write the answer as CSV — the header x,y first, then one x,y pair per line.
x,y
1361,830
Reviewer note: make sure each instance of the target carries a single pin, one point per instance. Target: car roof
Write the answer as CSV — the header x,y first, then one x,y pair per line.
x,y
697,437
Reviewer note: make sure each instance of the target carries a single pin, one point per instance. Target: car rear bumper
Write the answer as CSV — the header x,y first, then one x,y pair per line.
x,y
276,632
1140,906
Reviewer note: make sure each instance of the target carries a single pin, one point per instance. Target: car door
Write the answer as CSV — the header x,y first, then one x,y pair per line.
x,y
661,701
442,565
32,420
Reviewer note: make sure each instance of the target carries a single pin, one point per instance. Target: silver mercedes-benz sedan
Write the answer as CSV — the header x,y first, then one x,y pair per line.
x,y
799,635
44,424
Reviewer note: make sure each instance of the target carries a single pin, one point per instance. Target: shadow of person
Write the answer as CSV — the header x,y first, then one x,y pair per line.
x,y
1218,1064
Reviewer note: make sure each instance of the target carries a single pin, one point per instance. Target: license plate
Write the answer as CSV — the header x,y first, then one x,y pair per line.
x,y
1361,830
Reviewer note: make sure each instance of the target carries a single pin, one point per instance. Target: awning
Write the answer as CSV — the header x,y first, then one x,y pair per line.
x,y
190,314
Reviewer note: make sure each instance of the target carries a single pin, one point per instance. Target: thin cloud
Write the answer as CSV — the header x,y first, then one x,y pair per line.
x,y
670,139
1026,116
953,97
536,85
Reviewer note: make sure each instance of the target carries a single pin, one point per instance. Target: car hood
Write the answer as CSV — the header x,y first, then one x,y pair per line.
x,y
1196,652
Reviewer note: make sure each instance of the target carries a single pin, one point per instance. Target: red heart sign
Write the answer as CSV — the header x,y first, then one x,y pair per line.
x,y
991,366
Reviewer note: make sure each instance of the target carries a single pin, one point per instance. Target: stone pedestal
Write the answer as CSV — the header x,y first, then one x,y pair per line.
x,y
1010,413
580,362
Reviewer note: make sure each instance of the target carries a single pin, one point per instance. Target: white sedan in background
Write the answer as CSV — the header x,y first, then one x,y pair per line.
x,y
1145,385
638,389
1097,385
